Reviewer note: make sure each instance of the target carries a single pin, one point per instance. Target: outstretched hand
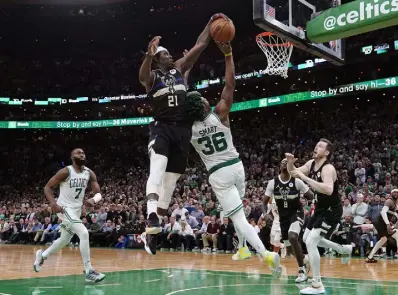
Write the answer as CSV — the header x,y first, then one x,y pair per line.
x,y
225,47
153,45
217,16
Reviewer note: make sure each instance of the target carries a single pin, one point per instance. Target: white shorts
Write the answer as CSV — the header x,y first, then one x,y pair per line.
x,y
69,217
228,183
276,235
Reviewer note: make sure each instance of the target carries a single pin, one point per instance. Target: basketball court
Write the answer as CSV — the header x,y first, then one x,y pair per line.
x,y
135,272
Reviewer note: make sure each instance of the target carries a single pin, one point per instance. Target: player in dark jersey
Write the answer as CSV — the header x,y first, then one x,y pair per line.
x,y
286,192
170,132
385,224
321,176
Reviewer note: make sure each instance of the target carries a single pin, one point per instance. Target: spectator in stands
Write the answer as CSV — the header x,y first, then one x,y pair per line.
x,y
374,208
225,236
172,239
359,210
180,211
210,235
187,235
198,213
347,210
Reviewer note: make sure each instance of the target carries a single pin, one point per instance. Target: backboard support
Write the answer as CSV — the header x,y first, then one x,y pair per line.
x,y
288,18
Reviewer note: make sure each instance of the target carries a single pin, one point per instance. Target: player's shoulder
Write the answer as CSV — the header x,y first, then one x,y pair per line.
x,y
389,203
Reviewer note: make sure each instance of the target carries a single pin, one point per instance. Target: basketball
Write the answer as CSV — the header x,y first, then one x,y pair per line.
x,y
222,30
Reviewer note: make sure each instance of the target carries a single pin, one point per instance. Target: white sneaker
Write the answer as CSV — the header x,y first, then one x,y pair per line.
x,y
205,250
307,264
38,261
241,254
214,250
315,288
302,277
94,277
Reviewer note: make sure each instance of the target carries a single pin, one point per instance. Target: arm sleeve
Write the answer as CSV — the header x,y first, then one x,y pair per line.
x,y
383,214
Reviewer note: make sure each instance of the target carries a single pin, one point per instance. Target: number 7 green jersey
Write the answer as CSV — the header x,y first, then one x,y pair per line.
x,y
213,141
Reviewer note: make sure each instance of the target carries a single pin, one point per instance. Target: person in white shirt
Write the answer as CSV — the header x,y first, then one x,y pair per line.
x,y
172,237
187,235
203,229
359,211
179,211
360,174
347,209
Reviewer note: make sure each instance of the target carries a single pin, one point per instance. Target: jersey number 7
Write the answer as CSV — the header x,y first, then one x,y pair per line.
x,y
78,192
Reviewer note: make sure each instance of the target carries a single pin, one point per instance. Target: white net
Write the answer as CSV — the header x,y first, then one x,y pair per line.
x,y
278,52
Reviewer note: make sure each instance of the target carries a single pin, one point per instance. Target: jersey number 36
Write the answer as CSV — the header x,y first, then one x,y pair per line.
x,y
214,143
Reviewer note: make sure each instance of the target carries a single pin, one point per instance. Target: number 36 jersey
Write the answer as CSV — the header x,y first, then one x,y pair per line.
x,y
72,190
213,141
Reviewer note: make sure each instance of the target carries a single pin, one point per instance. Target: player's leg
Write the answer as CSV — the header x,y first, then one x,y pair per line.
x,y
223,184
158,150
81,231
62,241
243,251
313,239
381,228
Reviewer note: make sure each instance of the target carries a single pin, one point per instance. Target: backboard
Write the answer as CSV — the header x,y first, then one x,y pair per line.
x,y
288,18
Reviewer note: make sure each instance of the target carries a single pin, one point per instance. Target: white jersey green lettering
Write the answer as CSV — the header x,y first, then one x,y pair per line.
x,y
213,141
72,190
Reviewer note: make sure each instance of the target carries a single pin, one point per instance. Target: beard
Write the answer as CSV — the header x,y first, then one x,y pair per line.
x,y
284,170
79,162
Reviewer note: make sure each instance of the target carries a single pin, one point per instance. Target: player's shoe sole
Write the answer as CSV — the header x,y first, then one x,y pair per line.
x,y
94,277
38,260
153,230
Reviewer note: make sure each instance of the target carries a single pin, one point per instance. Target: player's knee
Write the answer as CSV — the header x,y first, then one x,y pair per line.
x,y
82,233
170,180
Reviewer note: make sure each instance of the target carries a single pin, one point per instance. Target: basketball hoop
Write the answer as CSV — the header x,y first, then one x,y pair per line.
x,y
278,52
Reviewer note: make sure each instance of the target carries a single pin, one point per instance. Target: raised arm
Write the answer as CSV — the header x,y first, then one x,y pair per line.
x,y
146,75
328,177
290,164
186,63
224,105
186,74
54,182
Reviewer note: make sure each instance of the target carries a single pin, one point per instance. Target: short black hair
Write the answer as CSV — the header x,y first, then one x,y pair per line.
x,y
329,146
194,108
71,153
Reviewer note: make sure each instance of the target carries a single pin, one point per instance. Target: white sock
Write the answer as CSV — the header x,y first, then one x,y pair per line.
x,y
152,206
378,245
241,238
249,233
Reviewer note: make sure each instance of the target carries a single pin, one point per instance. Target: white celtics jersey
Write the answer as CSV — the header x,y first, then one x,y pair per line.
x,y
213,141
72,190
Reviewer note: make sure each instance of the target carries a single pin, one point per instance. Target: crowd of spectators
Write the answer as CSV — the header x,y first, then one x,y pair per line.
x,y
366,157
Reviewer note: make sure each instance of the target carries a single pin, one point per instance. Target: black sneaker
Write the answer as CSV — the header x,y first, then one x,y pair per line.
x,y
370,260
153,226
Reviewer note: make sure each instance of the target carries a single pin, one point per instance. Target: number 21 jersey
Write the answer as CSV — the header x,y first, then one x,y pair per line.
x,y
213,141
72,190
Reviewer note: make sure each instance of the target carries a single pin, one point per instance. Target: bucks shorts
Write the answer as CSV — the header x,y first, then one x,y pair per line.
x,y
326,219
172,141
293,222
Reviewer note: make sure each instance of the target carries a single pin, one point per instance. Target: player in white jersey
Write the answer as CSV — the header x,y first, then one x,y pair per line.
x,y
212,139
72,181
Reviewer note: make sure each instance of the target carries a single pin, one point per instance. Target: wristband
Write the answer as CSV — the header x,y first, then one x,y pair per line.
x,y
97,197
228,54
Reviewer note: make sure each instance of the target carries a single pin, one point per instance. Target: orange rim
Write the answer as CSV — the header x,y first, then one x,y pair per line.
x,y
267,34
